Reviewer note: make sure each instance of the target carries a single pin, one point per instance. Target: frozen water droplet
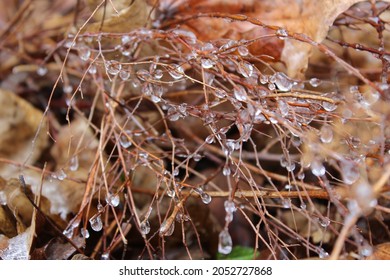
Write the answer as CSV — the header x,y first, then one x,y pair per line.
x,y
68,89
125,39
323,254
283,108
226,171
225,244
230,207
96,223
74,163
105,256
171,192
240,93
144,227
220,93
18,247
350,172
3,198
301,175
188,36
286,203
283,82
42,71
92,69
197,157
209,139
245,68
113,67
290,167
175,171
288,187
263,79
124,140
100,208
167,228
228,217
84,233
317,168
176,71
242,50
303,206
207,63
124,75
315,82
281,33
206,198
271,86
325,222
84,53
158,74
366,249
326,133
296,141
283,161
112,199
328,106
60,175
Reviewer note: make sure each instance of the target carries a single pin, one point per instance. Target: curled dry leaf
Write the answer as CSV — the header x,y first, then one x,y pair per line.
x,y
312,18
381,252
19,123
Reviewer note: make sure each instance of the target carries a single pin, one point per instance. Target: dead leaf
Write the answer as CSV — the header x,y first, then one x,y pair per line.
x,y
19,123
312,18
381,252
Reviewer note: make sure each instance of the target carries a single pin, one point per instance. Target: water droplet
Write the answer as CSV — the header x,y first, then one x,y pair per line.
x,y
209,139
124,140
176,71
84,233
283,82
328,106
283,108
281,33
325,222
167,228
42,71
315,82
96,223
350,172
74,163
113,67
225,244
84,53
326,133
124,75
175,171
263,79
301,175
112,199
226,171
188,36
105,256
171,192
288,187
207,63
286,203
206,198
158,74
125,39
3,198
303,206
68,89
92,69
242,50
271,86
366,249
144,227
323,254
240,93
230,207
60,175
197,157
317,168
100,208
245,68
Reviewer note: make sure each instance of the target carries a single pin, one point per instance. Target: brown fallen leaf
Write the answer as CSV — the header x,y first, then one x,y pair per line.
x,y
381,252
312,18
19,123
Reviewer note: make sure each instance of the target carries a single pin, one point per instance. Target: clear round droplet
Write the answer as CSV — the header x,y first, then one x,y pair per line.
x,y
167,229
60,175
317,168
350,172
366,249
326,133
92,69
286,203
325,222
245,69
176,71
240,93
124,140
84,53
113,67
225,244
328,106
105,256
226,171
243,50
323,254
281,33
315,82
74,163
145,227
230,207
207,63
112,199
84,233
3,198
209,139
206,198
42,71
124,75
282,81
96,223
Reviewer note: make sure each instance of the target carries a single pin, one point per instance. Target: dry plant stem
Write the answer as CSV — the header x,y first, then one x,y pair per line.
x,y
350,222
379,185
